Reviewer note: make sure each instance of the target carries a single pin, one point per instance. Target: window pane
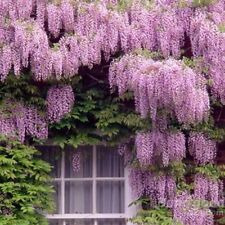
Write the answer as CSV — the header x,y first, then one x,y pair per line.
x,y
110,197
109,162
78,197
52,155
80,222
57,197
112,222
86,162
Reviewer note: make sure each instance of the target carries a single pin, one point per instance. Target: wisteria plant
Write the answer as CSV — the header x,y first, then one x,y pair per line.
x,y
145,75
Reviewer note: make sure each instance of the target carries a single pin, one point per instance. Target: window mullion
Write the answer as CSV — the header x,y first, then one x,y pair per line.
x,y
63,183
94,187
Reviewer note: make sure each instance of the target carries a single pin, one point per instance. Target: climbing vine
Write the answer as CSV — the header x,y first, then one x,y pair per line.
x,y
147,76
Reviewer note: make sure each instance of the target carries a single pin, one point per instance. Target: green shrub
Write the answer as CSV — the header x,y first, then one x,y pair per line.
x,y
25,191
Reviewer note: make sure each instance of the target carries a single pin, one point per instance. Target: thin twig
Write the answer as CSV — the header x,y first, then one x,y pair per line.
x,y
94,78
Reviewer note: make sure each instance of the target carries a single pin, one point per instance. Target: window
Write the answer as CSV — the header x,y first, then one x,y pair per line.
x,y
93,196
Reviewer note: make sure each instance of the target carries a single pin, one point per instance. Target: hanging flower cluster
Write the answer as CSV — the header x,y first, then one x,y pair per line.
x,y
76,161
207,41
159,188
83,37
202,148
166,85
18,121
124,151
187,211
204,151
36,124
60,100
12,122
156,146
85,30
209,189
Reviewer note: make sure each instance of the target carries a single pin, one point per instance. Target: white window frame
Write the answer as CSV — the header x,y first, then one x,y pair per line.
x,y
128,211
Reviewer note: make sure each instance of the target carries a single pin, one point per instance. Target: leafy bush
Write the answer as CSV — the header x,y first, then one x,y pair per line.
x,y
156,216
25,192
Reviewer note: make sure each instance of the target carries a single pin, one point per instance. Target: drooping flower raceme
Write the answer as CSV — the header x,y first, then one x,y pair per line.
x,y
12,121
187,211
19,121
159,188
68,17
209,189
54,19
166,85
76,161
30,47
207,41
202,148
36,124
60,100
6,61
160,147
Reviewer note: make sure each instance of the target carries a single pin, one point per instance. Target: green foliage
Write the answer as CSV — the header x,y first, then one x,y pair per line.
x,y
220,212
182,4
221,221
22,89
96,118
111,119
179,170
140,201
197,64
209,128
123,5
25,191
202,3
212,171
155,216
148,54
221,27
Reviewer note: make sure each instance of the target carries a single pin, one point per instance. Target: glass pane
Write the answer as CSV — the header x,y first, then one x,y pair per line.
x,y
78,197
80,222
57,197
110,197
52,155
112,222
109,162
85,164
55,222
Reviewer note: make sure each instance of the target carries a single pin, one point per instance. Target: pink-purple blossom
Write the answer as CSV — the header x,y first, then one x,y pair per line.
x,y
60,100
